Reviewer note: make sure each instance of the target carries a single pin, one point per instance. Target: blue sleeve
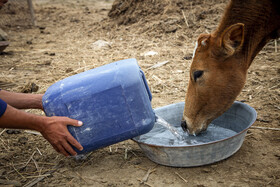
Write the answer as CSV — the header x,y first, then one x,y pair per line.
x,y
3,106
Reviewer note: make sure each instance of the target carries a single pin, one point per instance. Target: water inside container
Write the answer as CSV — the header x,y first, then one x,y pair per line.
x,y
177,134
165,134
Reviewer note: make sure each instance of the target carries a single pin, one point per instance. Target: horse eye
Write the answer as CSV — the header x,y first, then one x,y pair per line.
x,y
197,74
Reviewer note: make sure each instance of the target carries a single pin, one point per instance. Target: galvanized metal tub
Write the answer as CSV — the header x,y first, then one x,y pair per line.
x,y
238,118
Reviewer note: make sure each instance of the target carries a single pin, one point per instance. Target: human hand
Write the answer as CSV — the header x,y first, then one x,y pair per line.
x,y
56,132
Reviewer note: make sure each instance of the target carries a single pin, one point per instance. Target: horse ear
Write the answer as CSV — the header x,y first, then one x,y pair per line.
x,y
203,40
232,38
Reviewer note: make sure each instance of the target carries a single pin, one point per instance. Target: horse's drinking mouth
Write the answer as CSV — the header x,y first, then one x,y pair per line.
x,y
193,131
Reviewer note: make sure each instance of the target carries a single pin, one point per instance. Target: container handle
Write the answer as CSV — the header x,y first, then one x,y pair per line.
x,y
146,85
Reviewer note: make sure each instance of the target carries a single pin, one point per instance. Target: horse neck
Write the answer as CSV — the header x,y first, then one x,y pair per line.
x,y
261,20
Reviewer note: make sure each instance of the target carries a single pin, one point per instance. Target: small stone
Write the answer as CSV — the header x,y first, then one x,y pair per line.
x,y
3,45
171,28
52,54
201,16
188,57
68,70
136,162
42,27
47,63
101,44
12,131
29,88
277,155
149,53
3,35
23,140
74,20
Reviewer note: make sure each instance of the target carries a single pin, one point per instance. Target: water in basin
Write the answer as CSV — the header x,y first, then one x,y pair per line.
x,y
165,134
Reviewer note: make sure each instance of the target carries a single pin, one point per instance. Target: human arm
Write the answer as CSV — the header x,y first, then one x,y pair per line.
x,y
22,100
54,129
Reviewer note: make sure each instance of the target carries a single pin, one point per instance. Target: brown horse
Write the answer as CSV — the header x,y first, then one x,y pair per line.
x,y
221,59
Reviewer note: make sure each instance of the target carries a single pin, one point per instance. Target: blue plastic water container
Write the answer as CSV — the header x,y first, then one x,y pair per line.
x,y
113,102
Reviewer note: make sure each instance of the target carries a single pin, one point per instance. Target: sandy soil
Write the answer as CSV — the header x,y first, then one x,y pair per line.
x,y
61,45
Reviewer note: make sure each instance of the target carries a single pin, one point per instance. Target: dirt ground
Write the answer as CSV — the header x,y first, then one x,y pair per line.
x,y
61,45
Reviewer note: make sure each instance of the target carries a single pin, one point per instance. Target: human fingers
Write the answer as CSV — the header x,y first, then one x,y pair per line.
x,y
68,148
69,137
73,122
55,148
62,150
74,142
63,146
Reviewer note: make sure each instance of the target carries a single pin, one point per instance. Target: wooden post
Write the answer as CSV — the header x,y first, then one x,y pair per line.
x,y
31,9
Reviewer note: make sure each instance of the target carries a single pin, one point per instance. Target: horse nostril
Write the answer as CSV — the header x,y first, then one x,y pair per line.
x,y
184,125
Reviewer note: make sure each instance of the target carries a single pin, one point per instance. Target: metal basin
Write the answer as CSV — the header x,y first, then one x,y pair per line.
x,y
238,118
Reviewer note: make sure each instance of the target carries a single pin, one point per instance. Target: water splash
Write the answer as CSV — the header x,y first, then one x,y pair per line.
x,y
171,128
